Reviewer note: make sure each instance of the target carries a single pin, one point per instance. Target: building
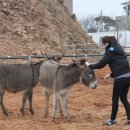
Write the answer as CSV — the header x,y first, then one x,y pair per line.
x,y
122,22
69,5
123,38
127,10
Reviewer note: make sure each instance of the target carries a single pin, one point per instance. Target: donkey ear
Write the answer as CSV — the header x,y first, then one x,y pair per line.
x,y
74,61
82,62
59,58
50,57
46,56
78,64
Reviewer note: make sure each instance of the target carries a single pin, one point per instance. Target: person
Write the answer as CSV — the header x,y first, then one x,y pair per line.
x,y
116,58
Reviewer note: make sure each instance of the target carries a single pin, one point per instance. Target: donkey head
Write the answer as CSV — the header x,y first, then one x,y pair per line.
x,y
87,76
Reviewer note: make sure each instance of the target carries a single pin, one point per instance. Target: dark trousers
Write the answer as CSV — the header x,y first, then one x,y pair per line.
x,y
120,90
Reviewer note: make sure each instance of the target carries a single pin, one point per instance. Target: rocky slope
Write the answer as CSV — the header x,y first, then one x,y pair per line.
x,y
36,26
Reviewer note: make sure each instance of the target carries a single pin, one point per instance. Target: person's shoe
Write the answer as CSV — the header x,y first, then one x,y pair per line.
x,y
109,122
128,122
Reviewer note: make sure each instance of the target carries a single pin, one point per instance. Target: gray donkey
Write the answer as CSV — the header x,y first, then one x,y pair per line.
x,y
57,79
17,77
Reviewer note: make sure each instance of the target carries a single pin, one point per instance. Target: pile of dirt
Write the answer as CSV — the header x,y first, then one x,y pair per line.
x,y
37,26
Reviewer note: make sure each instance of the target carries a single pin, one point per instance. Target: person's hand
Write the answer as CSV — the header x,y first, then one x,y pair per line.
x,y
107,76
87,63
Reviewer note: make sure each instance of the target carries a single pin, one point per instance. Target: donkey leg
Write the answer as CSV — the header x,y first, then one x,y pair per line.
x,y
63,102
25,95
30,96
60,108
47,99
2,91
55,105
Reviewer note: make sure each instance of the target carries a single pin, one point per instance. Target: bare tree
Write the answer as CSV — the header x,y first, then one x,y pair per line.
x,y
92,24
122,21
107,23
88,23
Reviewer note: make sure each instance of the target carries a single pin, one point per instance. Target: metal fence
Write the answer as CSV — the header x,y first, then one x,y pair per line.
x,y
57,55
84,47
98,53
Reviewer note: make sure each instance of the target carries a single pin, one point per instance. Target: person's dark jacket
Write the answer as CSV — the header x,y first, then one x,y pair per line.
x,y
116,58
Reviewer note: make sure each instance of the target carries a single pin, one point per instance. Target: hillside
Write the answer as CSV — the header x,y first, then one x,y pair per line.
x,y
36,26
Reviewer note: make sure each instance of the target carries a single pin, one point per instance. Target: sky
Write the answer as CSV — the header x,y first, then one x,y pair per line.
x,y
110,8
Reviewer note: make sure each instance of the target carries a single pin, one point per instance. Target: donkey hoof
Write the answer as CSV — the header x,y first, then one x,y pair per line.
x,y
32,112
5,113
22,111
46,115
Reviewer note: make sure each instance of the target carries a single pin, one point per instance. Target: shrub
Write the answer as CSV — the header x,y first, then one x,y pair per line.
x,y
73,16
61,1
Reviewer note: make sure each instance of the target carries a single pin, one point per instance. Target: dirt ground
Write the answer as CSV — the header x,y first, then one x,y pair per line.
x,y
88,109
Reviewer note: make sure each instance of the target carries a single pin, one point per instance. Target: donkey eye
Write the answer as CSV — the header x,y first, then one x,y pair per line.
x,y
89,72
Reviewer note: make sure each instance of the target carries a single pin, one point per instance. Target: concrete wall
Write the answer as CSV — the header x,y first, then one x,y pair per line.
x,y
124,37
127,10
69,5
